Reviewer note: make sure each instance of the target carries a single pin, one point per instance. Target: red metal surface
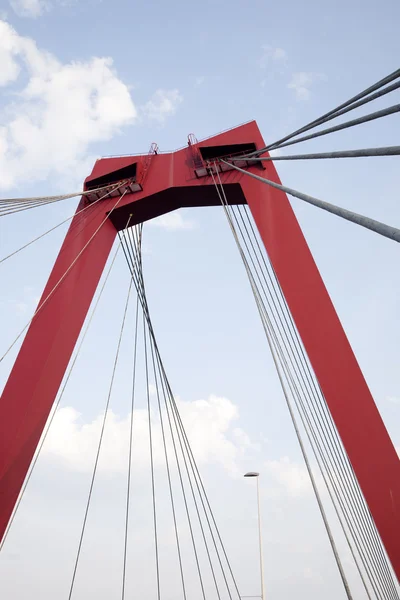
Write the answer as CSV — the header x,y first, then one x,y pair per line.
x,y
360,426
39,368
171,183
144,164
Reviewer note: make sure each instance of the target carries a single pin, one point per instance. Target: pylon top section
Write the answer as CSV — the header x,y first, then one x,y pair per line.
x,y
158,183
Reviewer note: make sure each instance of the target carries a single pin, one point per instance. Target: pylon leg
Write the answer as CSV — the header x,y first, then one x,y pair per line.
x,y
357,419
43,358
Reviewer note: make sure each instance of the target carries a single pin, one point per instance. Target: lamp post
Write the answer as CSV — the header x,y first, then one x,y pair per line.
x,y
256,475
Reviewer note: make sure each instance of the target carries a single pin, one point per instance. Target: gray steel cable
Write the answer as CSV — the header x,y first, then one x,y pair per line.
x,y
341,109
85,208
267,328
388,231
363,152
57,403
379,114
61,196
128,483
327,425
322,438
348,476
190,482
132,264
153,488
178,545
165,453
200,486
388,581
99,445
12,210
49,295
184,446
197,478
136,249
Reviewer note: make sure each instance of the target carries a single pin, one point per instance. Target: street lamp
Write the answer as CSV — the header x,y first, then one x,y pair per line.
x,y
256,475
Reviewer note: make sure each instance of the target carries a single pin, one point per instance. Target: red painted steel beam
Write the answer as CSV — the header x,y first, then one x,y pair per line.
x,y
171,183
43,358
360,426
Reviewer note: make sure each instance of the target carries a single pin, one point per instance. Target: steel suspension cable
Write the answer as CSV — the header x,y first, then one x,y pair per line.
x,y
287,374
202,491
13,205
138,263
183,447
360,153
379,114
133,263
202,494
160,376
167,468
298,397
192,464
323,433
388,231
267,328
381,559
192,489
151,461
128,483
272,313
171,409
60,196
103,424
10,210
151,450
181,430
57,403
49,295
341,109
366,525
182,436
53,228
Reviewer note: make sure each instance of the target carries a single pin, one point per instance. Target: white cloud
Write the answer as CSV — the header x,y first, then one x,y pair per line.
x,y
243,439
271,55
161,105
208,424
9,44
301,84
30,8
62,109
59,111
293,478
172,221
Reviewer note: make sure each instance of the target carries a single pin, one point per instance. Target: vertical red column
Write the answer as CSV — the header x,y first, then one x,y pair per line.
x,y
43,358
360,426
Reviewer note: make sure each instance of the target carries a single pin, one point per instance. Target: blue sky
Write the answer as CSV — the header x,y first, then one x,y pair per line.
x,y
83,80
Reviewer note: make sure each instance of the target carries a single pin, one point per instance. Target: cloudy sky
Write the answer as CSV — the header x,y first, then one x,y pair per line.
x,y
79,80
